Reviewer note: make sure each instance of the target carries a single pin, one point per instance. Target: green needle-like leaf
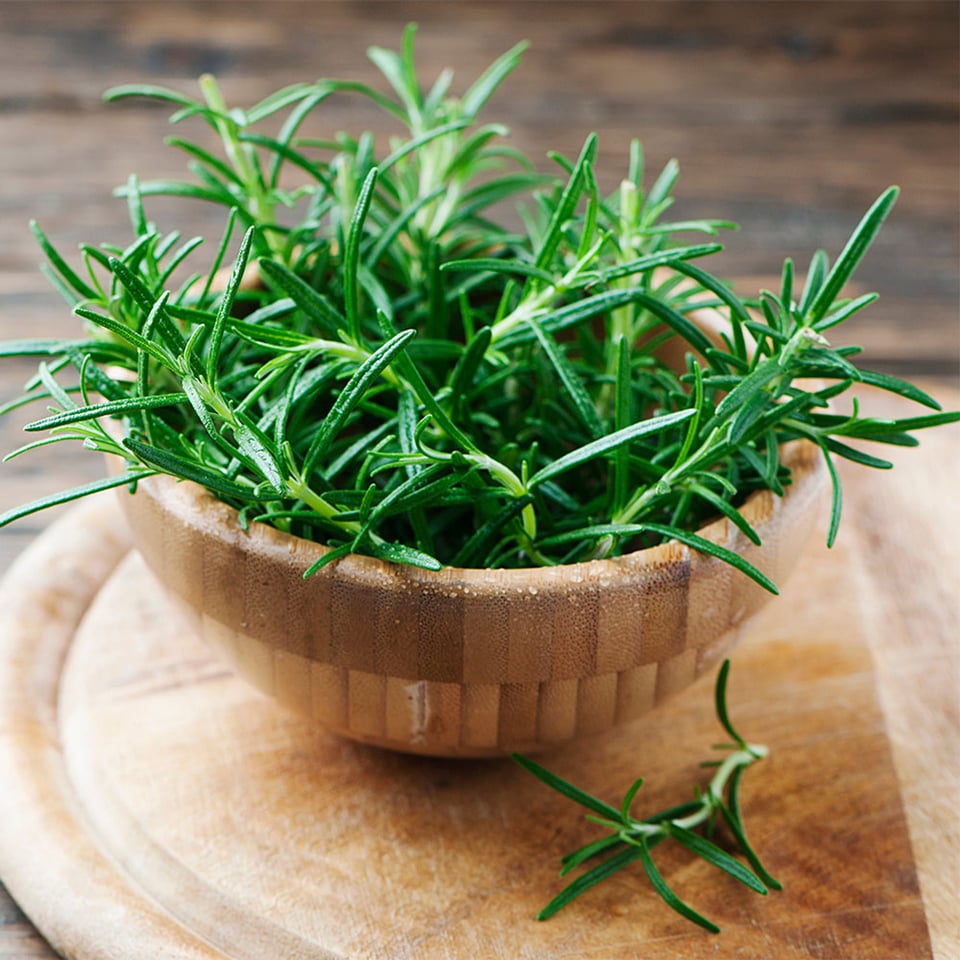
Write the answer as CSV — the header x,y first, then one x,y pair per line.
x,y
490,265
76,284
227,302
748,387
898,386
484,87
353,393
856,456
667,895
852,253
351,260
836,499
607,444
814,282
567,789
314,304
587,852
734,820
590,879
75,493
109,409
720,703
715,550
259,449
568,202
399,553
581,401
728,510
148,90
714,855
179,466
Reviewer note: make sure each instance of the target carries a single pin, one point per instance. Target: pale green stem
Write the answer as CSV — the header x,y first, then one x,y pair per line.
x,y
621,326
299,490
511,482
712,796
294,487
261,206
536,305
643,497
669,478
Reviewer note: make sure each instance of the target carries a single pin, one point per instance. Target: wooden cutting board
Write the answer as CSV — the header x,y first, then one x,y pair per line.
x,y
154,806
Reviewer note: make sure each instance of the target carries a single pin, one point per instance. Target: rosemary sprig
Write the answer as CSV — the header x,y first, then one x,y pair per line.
x,y
391,369
630,839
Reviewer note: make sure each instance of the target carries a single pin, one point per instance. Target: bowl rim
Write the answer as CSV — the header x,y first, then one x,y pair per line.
x,y
197,508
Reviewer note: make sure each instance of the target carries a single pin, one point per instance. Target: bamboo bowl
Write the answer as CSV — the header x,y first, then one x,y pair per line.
x,y
464,662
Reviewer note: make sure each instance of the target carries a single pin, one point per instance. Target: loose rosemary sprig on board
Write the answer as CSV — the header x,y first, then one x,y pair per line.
x,y
392,370
631,839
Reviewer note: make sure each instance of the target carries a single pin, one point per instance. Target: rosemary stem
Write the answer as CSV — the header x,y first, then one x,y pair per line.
x,y
709,800
680,823
622,317
347,350
713,795
261,206
533,306
511,482
528,309
300,490
707,451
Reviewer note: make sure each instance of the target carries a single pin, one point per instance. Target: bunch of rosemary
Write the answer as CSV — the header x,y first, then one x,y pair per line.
x,y
394,370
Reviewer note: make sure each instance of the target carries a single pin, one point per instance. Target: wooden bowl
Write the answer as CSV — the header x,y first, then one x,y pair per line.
x,y
464,662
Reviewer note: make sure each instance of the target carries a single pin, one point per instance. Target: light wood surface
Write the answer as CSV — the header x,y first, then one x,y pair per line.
x,y
163,808
787,117
911,616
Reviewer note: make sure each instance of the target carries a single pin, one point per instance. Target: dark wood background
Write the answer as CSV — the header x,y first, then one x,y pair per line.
x,y
788,117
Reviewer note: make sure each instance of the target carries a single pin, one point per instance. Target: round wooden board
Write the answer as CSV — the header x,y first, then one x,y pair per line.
x,y
153,805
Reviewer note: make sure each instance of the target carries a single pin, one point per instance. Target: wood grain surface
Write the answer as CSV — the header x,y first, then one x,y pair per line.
x,y
163,808
789,117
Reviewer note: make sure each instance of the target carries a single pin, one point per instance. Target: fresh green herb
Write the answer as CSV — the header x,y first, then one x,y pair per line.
x,y
630,839
388,365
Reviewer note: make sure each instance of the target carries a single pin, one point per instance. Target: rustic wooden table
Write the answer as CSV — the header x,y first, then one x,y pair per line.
x,y
786,117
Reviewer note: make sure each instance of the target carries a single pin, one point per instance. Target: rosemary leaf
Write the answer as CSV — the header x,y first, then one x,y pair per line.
x,y
75,493
668,896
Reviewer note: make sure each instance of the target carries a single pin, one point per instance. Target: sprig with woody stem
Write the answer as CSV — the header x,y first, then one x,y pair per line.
x,y
631,839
